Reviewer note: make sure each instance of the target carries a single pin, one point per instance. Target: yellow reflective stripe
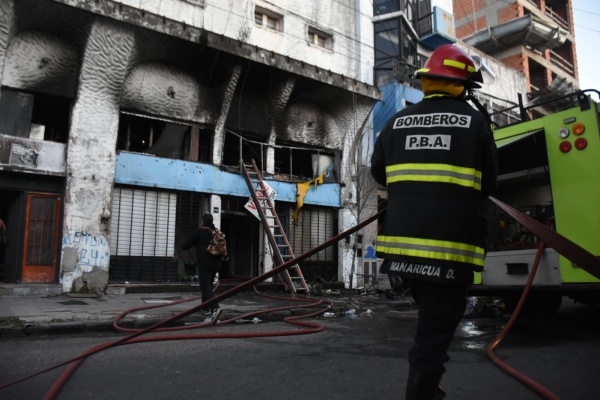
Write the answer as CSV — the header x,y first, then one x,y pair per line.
x,y
436,95
422,70
459,65
430,248
445,173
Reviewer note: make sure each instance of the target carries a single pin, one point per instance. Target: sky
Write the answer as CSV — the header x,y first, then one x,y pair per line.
x,y
586,14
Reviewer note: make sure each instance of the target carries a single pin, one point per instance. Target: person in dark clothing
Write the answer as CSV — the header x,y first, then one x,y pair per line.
x,y
438,160
207,264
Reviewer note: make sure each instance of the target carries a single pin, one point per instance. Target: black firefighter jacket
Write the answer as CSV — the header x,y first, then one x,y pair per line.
x,y
438,161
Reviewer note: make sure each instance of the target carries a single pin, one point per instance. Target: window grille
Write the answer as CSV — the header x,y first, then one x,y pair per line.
x,y
315,226
143,223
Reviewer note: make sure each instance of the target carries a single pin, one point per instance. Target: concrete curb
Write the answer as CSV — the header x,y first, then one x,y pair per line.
x,y
16,326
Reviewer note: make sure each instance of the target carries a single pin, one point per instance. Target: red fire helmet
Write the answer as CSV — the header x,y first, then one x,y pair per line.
x,y
451,62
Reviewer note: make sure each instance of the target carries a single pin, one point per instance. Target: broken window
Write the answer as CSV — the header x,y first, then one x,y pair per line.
x,y
34,115
294,164
164,138
301,164
245,148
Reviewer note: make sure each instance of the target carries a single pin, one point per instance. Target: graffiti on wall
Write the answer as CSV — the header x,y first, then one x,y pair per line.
x,y
93,250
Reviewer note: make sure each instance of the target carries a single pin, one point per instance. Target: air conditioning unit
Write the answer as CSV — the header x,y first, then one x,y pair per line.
x,y
442,31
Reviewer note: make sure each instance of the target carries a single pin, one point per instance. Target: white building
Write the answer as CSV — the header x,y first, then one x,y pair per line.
x,y
122,122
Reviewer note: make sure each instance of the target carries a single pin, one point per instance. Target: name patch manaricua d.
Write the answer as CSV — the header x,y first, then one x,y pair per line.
x,y
435,273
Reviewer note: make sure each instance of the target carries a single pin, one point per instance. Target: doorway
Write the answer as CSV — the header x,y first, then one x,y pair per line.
x,y
241,230
40,247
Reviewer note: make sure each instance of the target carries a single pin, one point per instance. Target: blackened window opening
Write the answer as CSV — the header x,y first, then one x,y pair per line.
x,y
34,115
53,113
245,148
138,134
164,138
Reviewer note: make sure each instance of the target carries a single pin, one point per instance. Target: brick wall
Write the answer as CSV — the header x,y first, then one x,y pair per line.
x,y
467,29
510,12
573,47
519,62
465,8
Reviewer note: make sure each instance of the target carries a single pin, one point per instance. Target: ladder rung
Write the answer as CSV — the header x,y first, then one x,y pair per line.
x,y
257,185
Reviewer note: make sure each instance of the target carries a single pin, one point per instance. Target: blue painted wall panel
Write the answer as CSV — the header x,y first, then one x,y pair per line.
x,y
391,103
164,173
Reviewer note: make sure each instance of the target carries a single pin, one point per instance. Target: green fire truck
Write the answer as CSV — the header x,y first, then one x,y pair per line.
x,y
549,169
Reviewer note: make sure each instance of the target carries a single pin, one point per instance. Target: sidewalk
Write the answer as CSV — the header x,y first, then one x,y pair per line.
x,y
47,311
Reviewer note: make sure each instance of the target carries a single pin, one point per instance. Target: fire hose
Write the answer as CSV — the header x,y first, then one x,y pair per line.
x,y
562,245
133,337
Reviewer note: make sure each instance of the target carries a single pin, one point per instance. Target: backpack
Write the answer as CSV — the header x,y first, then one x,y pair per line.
x,y
218,244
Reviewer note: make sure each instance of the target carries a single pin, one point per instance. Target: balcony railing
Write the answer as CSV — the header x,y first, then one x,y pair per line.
x,y
562,63
557,60
558,19
553,15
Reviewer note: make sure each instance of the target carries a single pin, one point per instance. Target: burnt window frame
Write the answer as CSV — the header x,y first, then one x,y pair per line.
x,y
149,123
51,111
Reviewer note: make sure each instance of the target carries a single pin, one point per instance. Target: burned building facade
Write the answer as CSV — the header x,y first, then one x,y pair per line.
x,y
121,123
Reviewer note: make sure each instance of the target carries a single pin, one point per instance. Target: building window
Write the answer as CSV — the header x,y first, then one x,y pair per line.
x,y
396,56
319,38
144,134
268,19
315,226
199,3
385,6
143,223
35,115
416,12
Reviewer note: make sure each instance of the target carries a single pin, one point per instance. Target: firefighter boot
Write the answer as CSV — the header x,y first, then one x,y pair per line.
x,y
423,385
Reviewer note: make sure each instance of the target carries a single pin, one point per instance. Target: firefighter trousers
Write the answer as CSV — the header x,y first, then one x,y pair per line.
x,y
441,307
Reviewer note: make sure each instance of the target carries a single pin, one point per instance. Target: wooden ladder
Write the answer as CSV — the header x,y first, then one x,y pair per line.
x,y
292,277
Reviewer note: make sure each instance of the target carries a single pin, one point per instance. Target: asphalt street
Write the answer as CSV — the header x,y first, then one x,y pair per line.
x,y
355,356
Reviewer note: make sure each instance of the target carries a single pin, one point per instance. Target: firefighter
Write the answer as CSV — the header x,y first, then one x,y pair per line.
x,y
438,161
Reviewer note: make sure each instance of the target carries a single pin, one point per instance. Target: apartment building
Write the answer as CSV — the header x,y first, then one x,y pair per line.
x,y
535,37
122,122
